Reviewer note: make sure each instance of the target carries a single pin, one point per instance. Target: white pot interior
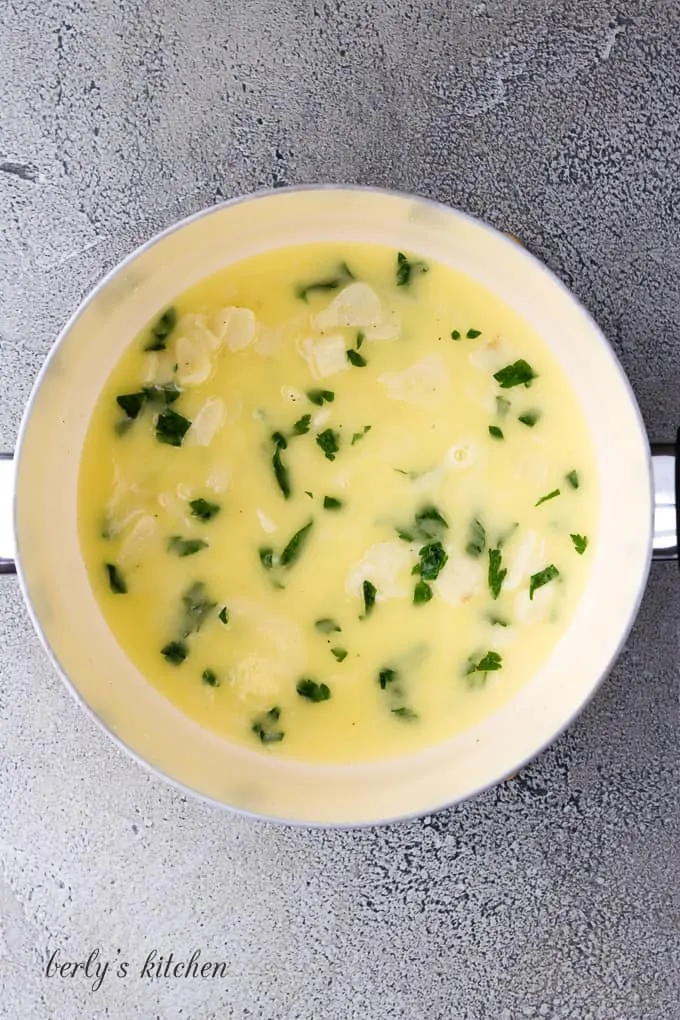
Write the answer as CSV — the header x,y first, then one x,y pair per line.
x,y
75,633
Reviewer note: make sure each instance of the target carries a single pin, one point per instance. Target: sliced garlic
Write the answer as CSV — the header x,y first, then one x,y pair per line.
x,y
461,579
206,423
325,355
424,383
387,565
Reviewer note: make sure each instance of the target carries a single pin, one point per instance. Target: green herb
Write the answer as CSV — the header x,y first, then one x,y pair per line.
x,y
339,653
430,522
313,691
421,593
117,582
406,269
292,551
455,334
204,510
266,727
433,557
224,614
489,663
329,441
503,405
387,677
327,625
161,330
302,425
497,574
573,479
356,359
280,470
369,592
472,334
497,621
403,712
359,340
520,373
544,499
529,419
166,394
197,607
308,493
495,432
186,546
476,543
171,427
266,554
330,283
360,435
542,577
123,426
208,676
580,543
131,403
320,397
175,652
332,503
507,535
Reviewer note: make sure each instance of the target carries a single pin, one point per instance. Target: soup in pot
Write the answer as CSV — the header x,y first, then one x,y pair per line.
x,y
338,502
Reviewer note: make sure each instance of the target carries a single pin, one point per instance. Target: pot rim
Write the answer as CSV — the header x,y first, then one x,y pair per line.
x,y
92,295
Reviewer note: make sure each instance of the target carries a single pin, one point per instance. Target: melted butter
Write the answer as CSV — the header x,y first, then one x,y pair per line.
x,y
245,351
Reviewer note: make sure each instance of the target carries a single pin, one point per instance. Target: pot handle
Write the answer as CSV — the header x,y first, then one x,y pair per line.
x,y
7,548
666,475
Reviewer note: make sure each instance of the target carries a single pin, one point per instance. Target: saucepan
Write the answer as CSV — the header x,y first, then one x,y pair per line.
x,y
637,502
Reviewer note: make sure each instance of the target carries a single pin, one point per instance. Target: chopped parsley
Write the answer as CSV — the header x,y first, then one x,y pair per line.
x,y
488,663
476,543
166,394
360,435
542,577
455,334
186,546
339,653
404,712
497,573
224,614
266,554
197,607
386,677
327,625
280,470
529,419
369,592
161,330
292,551
503,405
131,403
209,677
495,432
175,652
497,621
302,425
266,726
332,503
329,442
313,691
580,543
204,510
117,582
573,479
329,283
550,495
421,593
472,334
519,373
320,397
406,269
171,427
433,557
356,359
359,340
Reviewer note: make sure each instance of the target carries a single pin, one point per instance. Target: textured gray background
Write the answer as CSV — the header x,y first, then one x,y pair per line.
x,y
555,896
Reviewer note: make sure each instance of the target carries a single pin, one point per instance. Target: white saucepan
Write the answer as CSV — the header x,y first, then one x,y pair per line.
x,y
637,503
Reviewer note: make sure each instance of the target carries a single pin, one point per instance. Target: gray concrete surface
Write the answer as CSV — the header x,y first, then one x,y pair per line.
x,y
556,896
